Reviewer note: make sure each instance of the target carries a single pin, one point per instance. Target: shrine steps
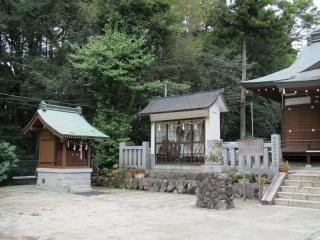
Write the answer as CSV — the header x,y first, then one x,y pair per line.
x,y
300,190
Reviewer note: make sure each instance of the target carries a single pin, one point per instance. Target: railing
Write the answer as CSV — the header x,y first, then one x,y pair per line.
x,y
251,164
300,145
134,156
139,156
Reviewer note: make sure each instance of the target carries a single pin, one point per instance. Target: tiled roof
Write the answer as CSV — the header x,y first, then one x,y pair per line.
x,y
308,57
67,122
193,101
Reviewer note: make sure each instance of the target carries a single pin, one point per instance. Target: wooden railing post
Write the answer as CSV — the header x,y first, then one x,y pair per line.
x,y
121,156
145,154
225,156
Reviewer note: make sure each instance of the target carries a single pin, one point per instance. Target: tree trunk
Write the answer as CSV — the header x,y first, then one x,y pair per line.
x,y
243,91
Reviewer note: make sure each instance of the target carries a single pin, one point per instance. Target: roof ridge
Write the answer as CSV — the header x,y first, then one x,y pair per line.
x,y
220,90
45,106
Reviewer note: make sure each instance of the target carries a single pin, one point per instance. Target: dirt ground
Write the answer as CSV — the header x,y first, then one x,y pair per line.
x,y
29,213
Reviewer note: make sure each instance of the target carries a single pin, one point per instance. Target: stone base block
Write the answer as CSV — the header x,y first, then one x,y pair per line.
x,y
214,191
65,179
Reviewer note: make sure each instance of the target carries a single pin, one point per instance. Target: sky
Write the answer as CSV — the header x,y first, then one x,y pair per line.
x,y
317,3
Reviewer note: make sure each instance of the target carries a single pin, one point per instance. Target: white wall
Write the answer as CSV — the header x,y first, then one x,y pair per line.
x,y
65,179
213,124
153,138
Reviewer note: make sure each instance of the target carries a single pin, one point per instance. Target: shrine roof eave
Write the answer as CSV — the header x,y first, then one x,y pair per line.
x,y
64,122
252,84
282,84
298,84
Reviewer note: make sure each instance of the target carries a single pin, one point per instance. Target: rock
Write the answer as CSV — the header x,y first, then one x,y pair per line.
x,y
222,205
141,184
156,186
148,184
191,187
115,166
181,186
164,186
171,186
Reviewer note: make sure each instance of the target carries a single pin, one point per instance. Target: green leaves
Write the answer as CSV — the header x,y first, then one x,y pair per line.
x,y
8,159
112,64
112,59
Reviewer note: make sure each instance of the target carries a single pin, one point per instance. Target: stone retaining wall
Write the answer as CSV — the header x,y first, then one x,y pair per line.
x,y
165,185
214,191
177,182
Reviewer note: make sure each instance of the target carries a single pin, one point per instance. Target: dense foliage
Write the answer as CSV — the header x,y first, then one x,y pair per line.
x,y
8,159
111,56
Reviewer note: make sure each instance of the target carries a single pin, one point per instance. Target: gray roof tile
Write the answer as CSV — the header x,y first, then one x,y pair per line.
x,y
309,56
193,101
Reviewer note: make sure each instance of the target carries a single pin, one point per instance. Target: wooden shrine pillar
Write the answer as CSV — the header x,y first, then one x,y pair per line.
x,y
89,153
64,155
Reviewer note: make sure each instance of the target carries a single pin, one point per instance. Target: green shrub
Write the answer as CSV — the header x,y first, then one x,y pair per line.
x,y
234,174
8,159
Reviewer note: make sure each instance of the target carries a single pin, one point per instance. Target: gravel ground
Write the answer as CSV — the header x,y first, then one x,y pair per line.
x,y
29,213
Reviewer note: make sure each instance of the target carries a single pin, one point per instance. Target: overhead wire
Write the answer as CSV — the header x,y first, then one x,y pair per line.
x,y
23,98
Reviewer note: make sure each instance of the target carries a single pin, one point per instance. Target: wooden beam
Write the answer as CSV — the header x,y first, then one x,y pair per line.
x,y
35,129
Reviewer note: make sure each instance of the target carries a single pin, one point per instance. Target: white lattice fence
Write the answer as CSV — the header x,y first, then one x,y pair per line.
x,y
134,156
231,158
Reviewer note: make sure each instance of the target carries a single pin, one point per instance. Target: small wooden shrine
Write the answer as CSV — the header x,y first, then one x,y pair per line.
x,y
65,140
297,88
182,127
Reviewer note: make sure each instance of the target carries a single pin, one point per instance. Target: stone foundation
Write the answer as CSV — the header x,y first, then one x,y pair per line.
x,y
252,190
174,182
165,185
65,179
214,191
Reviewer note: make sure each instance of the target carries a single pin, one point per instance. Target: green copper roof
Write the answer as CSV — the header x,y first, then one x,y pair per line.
x,y
68,122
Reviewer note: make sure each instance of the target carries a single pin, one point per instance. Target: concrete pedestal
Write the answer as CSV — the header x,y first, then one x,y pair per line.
x,y
65,179
213,168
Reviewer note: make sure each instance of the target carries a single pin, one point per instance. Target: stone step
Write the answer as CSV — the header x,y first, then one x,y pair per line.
x,y
300,183
304,177
297,203
299,196
295,189
80,189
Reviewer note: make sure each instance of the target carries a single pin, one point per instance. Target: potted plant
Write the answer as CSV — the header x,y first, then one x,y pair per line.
x,y
129,173
139,173
284,166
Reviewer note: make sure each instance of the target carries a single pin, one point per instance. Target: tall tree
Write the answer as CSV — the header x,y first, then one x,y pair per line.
x,y
111,65
34,40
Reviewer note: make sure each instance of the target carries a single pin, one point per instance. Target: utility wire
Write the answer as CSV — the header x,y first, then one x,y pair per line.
x,y
20,98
